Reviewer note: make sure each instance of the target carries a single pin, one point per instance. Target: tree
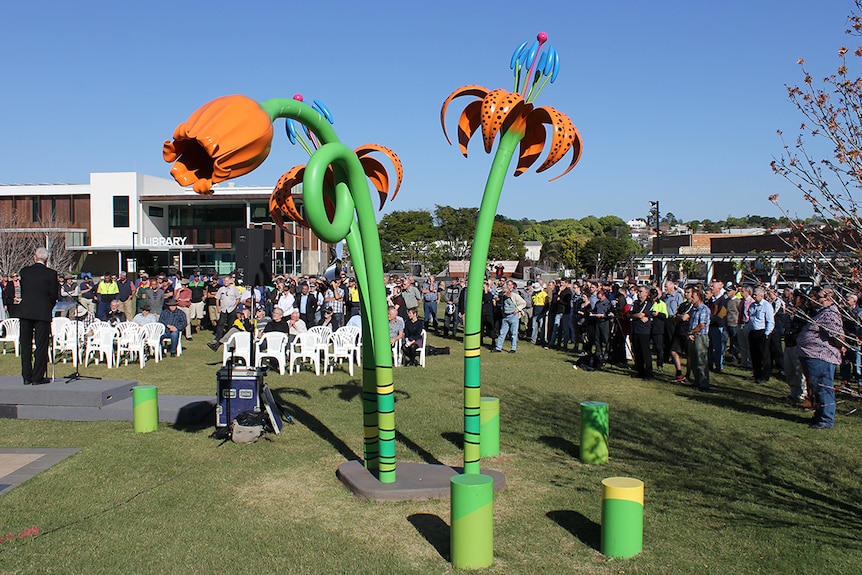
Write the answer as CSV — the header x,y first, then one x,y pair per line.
x,y
506,244
405,237
456,227
571,250
17,243
832,119
669,220
604,254
615,227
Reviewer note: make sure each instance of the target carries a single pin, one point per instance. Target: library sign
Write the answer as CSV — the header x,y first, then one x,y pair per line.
x,y
163,242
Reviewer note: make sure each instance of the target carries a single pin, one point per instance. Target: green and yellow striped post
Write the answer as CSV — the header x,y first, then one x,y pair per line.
x,y
594,431
472,512
145,403
489,433
622,517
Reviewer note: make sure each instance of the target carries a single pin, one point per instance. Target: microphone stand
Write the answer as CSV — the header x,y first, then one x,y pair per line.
x,y
77,375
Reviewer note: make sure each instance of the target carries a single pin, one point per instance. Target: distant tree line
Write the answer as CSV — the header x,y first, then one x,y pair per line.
x,y
432,238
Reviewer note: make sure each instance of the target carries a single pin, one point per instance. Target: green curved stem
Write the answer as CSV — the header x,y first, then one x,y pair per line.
x,y
351,195
351,183
473,306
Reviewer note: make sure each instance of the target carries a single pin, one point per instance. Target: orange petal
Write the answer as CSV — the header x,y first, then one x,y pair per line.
x,y
376,172
393,157
281,200
471,90
532,145
223,139
469,121
565,137
496,107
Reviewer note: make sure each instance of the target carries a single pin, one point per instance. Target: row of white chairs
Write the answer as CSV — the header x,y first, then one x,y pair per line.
x,y
127,341
319,347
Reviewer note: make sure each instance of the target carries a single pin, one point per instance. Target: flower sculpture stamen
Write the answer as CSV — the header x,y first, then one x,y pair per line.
x,y
521,125
230,137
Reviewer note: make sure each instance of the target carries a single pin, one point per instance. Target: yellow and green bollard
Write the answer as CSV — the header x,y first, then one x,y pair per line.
x,y
145,403
622,517
594,432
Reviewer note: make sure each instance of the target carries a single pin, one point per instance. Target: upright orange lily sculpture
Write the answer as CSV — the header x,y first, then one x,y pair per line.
x,y
513,116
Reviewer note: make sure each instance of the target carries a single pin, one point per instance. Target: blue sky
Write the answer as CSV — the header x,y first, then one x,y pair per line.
x,y
677,101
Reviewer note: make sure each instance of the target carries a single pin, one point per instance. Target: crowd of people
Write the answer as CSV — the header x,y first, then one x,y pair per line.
x,y
681,333
802,337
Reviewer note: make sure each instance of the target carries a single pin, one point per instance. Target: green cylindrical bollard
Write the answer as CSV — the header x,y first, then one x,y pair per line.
x,y
472,511
622,516
489,427
594,432
145,400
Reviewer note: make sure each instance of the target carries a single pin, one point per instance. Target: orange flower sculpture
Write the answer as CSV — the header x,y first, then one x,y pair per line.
x,y
502,111
281,204
224,139
513,116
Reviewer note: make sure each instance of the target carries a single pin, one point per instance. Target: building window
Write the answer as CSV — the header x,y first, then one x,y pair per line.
x,y
260,214
156,212
36,212
121,211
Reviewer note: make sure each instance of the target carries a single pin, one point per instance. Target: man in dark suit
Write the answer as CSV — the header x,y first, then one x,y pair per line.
x,y
39,293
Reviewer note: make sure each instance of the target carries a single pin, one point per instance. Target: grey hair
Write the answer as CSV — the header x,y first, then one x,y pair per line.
x,y
760,291
41,254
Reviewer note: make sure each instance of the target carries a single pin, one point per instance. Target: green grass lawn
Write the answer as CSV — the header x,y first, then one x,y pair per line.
x,y
735,482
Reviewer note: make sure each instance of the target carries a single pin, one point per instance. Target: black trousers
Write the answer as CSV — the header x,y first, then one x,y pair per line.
x,y
225,321
758,345
34,364
641,353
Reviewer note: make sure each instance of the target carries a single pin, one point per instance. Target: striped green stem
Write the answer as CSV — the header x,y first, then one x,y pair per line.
x,y
473,307
354,221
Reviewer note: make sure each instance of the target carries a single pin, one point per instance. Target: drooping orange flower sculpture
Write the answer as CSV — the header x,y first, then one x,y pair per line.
x,y
224,139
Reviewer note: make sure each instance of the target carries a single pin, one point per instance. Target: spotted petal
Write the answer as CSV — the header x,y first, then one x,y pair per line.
x,y
496,108
281,201
471,90
468,123
565,137
377,173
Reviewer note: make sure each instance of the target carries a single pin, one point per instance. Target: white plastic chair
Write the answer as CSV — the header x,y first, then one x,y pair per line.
x,y
322,333
276,348
57,335
154,333
305,347
356,336
238,346
68,340
397,355
131,343
341,346
420,351
101,345
10,330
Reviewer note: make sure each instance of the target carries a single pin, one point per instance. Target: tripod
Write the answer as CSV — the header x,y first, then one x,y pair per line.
x,y
76,376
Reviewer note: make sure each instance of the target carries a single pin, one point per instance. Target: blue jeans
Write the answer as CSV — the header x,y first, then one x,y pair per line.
x,y
538,324
716,347
821,378
510,324
430,314
555,328
174,336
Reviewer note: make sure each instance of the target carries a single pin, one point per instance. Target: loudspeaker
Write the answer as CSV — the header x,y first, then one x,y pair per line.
x,y
254,255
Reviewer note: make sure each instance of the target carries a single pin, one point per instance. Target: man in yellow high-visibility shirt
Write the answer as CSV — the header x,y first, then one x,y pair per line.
x,y
106,292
